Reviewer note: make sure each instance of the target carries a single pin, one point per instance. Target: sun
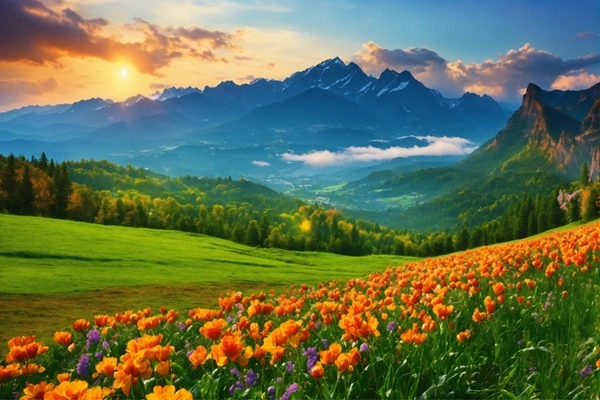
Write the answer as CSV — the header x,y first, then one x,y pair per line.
x,y
124,73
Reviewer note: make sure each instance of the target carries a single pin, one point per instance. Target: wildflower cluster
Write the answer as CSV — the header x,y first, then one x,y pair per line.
x,y
476,319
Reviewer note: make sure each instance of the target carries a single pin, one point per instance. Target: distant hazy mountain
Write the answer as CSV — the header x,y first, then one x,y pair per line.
x,y
232,129
172,92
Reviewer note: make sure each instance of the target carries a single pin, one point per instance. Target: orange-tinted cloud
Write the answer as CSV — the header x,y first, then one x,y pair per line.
x,y
34,33
14,90
503,78
582,80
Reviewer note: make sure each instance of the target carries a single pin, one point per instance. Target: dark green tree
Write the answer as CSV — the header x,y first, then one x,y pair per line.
x,y
585,175
43,162
590,208
9,185
26,195
252,234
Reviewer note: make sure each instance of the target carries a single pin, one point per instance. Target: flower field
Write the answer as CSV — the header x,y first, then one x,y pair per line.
x,y
519,320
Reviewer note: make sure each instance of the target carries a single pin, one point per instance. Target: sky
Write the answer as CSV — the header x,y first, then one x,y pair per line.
x,y
61,51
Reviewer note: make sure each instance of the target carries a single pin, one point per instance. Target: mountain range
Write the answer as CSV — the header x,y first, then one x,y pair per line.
x,y
544,143
325,107
246,130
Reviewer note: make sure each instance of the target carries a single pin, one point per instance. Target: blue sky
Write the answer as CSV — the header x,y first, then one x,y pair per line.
x,y
496,47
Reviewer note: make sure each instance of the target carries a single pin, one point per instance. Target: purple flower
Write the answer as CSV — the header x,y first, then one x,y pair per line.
x,y
189,353
93,337
234,388
83,367
531,370
391,326
325,343
235,372
520,342
586,371
99,355
271,392
291,389
312,356
105,345
181,326
251,378
290,366
363,347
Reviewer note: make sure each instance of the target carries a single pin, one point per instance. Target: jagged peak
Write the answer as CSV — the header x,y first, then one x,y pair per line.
x,y
336,60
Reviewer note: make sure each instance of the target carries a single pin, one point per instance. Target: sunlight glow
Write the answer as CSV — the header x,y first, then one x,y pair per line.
x,y
305,226
124,73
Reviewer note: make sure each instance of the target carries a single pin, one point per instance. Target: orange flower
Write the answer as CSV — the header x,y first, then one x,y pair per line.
x,y
317,371
81,325
530,283
410,336
231,348
25,352
144,343
347,361
32,368
20,341
35,392
330,355
462,336
106,367
129,371
64,338
442,311
498,288
212,329
104,320
148,323
598,363
10,371
163,368
479,316
202,314
168,393
159,353
64,377
490,305
67,391
198,356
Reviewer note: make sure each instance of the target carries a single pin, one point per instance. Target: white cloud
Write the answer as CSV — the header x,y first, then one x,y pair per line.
x,y
260,163
436,146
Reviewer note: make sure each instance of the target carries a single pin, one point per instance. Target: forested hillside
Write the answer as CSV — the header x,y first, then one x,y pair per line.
x,y
252,214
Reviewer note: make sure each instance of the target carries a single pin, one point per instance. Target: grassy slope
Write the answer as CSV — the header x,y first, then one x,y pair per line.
x,y
52,270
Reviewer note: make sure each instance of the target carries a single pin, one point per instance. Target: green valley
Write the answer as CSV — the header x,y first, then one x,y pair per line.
x,y
54,269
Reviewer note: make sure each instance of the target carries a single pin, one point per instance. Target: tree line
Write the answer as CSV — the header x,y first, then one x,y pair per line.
x,y
245,212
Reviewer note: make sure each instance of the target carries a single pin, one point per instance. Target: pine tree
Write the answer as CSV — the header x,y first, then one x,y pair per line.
x,y
63,189
585,175
555,215
9,185
590,208
574,210
26,195
43,162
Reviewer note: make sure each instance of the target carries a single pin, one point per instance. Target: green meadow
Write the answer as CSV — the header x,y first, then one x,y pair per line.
x,y
52,270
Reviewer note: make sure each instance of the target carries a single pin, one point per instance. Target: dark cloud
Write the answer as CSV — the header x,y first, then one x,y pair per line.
x,y
12,91
216,39
414,59
34,33
504,78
